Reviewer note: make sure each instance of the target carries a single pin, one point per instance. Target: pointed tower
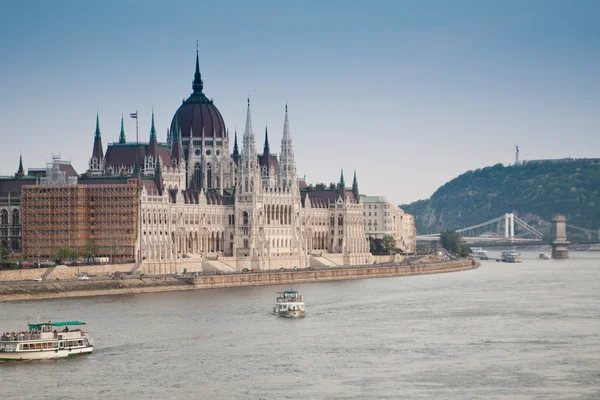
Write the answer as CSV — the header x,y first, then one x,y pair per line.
x,y
177,149
20,172
248,239
122,134
197,84
158,177
266,161
287,163
97,159
249,156
355,191
153,144
342,186
236,151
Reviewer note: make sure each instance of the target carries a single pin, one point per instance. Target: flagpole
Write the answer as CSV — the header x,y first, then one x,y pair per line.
x,y
136,127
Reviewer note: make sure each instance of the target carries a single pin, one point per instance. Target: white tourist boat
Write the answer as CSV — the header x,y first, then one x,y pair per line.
x,y
45,340
512,256
289,304
479,252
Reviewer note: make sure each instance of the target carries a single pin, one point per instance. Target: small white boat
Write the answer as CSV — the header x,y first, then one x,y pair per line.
x,y
544,256
479,253
512,256
289,304
46,340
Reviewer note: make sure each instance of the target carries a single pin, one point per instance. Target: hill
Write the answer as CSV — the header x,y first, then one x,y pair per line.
x,y
535,192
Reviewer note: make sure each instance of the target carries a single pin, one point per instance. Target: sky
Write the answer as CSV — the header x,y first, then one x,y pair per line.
x,y
409,94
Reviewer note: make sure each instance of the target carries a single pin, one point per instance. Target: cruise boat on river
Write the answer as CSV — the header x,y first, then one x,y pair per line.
x,y
512,256
45,340
289,304
479,252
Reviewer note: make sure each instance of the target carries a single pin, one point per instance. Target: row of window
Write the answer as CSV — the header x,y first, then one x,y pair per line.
x,y
4,217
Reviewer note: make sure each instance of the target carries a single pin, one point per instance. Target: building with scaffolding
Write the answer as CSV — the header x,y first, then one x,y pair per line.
x,y
91,219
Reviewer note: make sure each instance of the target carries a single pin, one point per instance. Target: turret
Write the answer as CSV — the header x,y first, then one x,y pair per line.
x,y
20,172
355,191
287,163
97,158
122,134
236,152
177,148
342,186
153,144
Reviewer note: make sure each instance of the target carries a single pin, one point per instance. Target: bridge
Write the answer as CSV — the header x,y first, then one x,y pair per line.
x,y
508,230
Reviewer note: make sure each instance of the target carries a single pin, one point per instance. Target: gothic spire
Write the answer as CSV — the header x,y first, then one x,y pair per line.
x,y
20,172
197,85
176,148
152,129
97,135
355,187
249,143
342,183
266,146
97,151
287,164
122,134
236,151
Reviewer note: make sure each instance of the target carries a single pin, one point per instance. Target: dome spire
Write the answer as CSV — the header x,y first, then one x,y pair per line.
x,y
197,85
122,134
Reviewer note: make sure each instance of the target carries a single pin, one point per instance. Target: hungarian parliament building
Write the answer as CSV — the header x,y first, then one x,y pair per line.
x,y
194,202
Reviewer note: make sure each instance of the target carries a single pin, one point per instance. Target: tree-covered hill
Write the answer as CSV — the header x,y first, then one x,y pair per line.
x,y
534,192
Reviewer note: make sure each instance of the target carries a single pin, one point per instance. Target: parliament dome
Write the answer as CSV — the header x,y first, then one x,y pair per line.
x,y
198,116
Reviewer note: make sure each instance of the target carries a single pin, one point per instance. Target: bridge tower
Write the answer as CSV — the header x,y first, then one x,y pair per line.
x,y
509,226
560,244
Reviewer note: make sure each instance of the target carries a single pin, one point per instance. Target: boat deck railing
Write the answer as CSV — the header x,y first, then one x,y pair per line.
x,y
24,336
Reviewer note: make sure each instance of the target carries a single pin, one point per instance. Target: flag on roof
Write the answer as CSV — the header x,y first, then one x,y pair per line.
x,y
133,115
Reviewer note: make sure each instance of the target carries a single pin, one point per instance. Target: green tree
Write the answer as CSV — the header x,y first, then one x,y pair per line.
x,y
451,241
388,244
63,253
90,249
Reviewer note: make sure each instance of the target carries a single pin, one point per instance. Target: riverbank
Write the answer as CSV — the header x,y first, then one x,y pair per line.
x,y
19,291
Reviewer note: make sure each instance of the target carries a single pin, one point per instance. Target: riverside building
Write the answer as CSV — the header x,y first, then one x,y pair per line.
x,y
201,207
383,218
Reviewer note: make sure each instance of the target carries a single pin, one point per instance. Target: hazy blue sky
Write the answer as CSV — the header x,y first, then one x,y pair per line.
x,y
410,94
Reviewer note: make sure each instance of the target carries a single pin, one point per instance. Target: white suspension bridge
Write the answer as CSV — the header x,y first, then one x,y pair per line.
x,y
506,229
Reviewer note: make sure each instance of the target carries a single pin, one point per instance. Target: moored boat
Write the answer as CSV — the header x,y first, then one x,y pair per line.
x,y
289,304
45,340
544,256
512,256
479,253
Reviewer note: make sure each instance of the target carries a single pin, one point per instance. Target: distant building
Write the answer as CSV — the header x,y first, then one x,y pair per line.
x,y
384,218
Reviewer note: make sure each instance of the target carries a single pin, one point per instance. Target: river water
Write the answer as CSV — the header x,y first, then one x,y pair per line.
x,y
502,331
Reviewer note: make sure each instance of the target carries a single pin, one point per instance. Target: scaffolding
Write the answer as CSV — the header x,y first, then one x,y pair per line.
x,y
95,220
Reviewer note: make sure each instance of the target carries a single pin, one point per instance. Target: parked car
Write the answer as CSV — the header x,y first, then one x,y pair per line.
x,y
38,279
84,278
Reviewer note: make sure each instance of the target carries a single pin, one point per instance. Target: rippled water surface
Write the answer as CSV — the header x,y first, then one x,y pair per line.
x,y
503,331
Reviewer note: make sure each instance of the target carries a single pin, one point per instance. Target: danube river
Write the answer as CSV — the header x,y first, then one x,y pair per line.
x,y
502,331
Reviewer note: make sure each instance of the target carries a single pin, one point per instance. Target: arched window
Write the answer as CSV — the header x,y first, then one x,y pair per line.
x,y
246,188
197,175
208,176
245,217
4,217
245,243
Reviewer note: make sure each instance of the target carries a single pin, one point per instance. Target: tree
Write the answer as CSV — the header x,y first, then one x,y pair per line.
x,y
90,249
388,244
4,252
451,241
63,253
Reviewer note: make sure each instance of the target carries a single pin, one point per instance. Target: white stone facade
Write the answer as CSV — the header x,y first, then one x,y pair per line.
x,y
266,226
384,218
